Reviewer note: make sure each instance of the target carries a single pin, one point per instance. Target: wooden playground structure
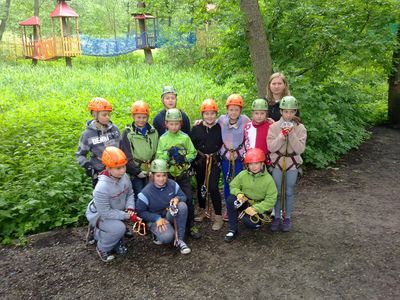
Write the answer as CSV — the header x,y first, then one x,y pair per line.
x,y
64,41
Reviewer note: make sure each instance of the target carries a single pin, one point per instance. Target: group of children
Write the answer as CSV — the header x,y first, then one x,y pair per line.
x,y
145,174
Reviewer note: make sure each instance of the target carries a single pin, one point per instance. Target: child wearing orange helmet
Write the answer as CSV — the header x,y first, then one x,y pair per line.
x,y
253,194
112,203
139,142
100,132
207,139
232,130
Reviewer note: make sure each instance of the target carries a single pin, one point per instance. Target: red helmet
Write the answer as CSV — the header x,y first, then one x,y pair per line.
x,y
114,157
99,104
140,107
209,105
254,155
234,99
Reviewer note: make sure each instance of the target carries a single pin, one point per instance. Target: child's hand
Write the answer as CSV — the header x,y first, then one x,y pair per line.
x,y
197,122
161,224
142,174
174,201
250,211
241,197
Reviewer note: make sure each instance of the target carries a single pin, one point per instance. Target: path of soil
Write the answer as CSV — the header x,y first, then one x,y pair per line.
x,y
345,244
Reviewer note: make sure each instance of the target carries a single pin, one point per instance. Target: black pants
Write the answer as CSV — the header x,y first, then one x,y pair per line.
x,y
184,183
200,167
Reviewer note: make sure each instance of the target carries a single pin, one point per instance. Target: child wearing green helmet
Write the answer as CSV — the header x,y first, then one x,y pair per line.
x,y
169,100
177,149
286,141
256,131
161,203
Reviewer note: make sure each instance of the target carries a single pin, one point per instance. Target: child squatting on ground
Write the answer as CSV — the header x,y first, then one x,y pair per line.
x,y
253,193
161,204
100,133
177,149
286,141
169,100
112,204
139,143
207,139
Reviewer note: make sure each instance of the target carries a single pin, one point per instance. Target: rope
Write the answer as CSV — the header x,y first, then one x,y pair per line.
x,y
209,161
283,182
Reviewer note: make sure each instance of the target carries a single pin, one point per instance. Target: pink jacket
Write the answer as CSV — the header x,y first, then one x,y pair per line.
x,y
277,145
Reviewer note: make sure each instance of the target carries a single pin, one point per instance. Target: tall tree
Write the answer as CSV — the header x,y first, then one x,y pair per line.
x,y
394,86
258,44
4,18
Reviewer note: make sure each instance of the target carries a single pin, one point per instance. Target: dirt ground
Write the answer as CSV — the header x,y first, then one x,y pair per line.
x,y
345,244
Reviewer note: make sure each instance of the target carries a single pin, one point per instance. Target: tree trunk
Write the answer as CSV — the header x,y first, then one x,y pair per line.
x,y
35,31
5,18
258,44
394,86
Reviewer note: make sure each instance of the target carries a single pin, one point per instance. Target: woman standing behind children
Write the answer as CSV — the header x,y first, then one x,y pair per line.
x,y
286,141
278,87
232,130
100,133
139,142
207,139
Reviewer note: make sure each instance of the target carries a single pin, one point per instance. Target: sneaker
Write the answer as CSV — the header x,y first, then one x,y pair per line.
x,y
286,225
275,224
194,232
201,215
225,217
155,240
104,256
230,236
120,248
90,240
218,222
183,248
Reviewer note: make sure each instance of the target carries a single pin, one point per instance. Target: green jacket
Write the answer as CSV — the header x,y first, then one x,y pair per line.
x,y
260,188
184,143
139,148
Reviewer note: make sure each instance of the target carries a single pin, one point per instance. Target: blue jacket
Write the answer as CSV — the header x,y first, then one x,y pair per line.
x,y
153,201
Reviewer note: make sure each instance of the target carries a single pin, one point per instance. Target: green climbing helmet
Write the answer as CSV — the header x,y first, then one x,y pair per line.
x,y
159,166
173,114
288,102
259,104
168,89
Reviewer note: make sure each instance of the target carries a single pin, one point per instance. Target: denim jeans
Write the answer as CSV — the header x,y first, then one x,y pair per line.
x,y
168,236
226,173
291,178
232,214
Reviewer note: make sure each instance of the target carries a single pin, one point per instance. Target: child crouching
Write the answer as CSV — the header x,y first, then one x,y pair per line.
x,y
253,192
112,203
161,203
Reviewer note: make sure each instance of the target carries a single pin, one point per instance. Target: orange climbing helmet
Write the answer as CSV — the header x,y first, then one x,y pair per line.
x,y
234,99
99,104
254,155
209,105
140,107
114,157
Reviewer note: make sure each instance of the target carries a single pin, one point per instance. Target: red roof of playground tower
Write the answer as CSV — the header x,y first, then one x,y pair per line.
x,y
32,21
63,10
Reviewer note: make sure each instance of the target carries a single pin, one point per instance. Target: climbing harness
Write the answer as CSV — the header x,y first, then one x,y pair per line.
x,y
205,188
232,160
173,210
